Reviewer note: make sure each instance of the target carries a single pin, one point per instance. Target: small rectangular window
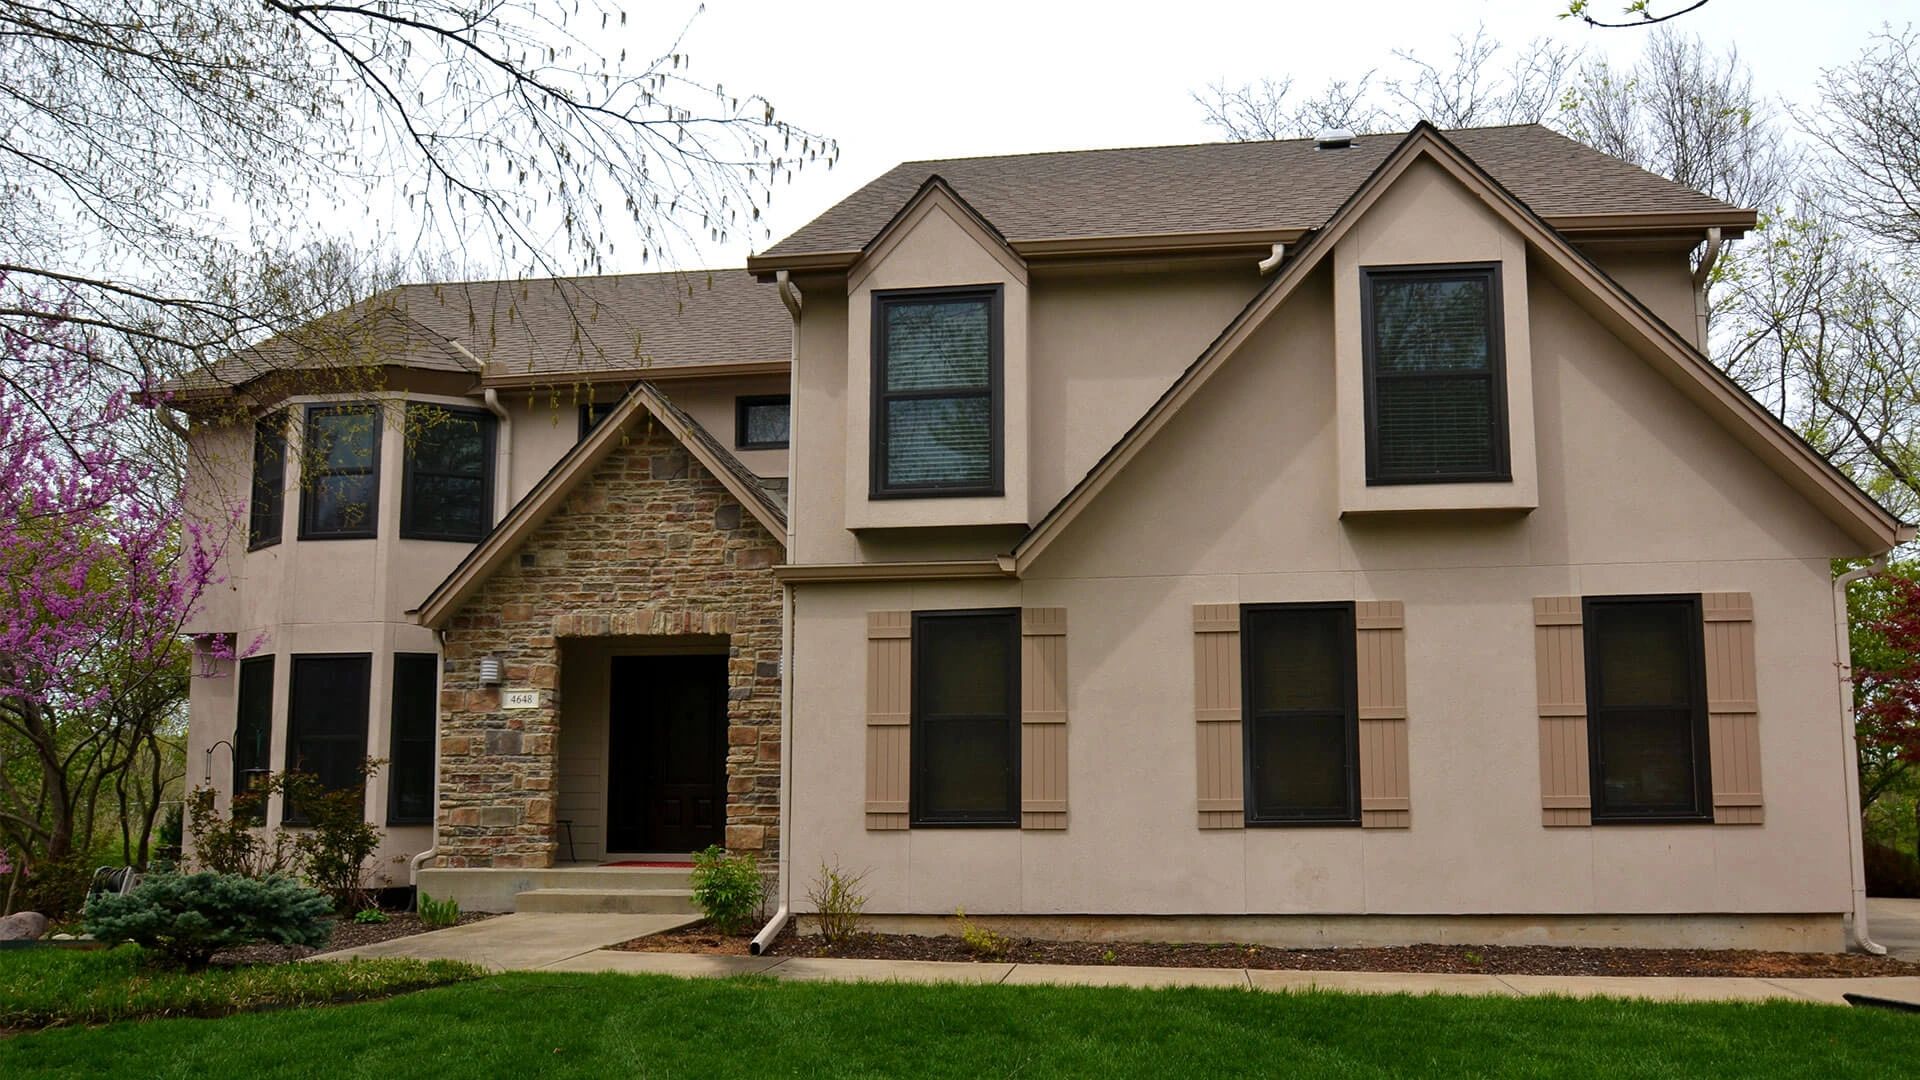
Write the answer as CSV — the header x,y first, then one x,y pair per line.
x,y
410,753
592,414
447,492
1647,709
1435,375
966,720
340,489
269,490
936,393
253,734
1301,716
760,423
327,720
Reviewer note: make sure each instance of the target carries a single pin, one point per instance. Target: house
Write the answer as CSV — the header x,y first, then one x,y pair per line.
x,y
1300,542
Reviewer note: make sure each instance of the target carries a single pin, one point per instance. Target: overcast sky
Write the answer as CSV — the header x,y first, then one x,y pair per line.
x,y
898,81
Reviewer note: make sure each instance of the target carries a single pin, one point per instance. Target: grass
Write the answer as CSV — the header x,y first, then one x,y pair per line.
x,y
44,987
604,1025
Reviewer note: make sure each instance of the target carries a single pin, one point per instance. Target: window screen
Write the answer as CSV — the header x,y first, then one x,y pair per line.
x,y
252,735
761,422
269,491
966,724
936,380
1300,717
1436,396
341,490
410,754
1647,709
327,720
448,493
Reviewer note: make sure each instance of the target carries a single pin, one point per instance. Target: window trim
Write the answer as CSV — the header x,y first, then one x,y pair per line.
x,y
394,816
1497,413
409,460
289,815
1697,679
307,482
749,401
995,485
258,538
1350,694
916,754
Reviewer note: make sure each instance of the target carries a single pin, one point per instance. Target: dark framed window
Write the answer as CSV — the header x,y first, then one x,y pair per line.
x,y
936,393
253,731
410,749
1301,717
447,490
592,413
327,720
267,500
761,422
340,489
1436,393
966,718
1647,709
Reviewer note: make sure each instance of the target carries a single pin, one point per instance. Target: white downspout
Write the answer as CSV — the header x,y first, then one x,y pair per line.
x,y
502,453
1700,274
790,296
1856,851
433,839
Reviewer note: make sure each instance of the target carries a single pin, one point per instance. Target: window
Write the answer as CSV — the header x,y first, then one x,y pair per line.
x,y
1435,375
253,731
592,413
1647,709
936,393
340,495
447,492
760,423
966,721
327,720
268,498
410,753
1301,721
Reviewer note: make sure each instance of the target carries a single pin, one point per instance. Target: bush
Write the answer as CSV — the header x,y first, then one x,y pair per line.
x,y
369,916
727,888
235,844
56,889
983,942
439,913
837,903
1891,872
186,918
330,849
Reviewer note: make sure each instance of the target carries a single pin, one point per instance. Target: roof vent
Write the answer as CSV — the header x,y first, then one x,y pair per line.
x,y
1333,139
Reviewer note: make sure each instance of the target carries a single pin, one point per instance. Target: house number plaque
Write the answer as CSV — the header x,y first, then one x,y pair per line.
x,y
520,699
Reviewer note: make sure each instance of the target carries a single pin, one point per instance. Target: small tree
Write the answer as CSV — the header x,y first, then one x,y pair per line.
x,y
1886,681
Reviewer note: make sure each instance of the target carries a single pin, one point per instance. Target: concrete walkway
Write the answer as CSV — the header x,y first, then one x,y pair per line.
x,y
525,941
1895,924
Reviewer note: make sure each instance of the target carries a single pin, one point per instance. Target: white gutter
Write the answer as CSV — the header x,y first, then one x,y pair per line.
x,y
433,840
1268,264
790,296
1856,852
1700,274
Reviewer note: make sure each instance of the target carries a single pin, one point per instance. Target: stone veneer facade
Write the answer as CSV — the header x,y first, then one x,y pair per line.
x,y
648,544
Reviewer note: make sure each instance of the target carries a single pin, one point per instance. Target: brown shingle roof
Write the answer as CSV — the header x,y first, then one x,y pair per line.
x,y
1216,187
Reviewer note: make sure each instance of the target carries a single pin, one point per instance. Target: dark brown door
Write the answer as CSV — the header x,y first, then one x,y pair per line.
x,y
667,753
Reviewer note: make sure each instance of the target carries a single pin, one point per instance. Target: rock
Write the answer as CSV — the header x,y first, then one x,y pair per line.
x,y
23,926
61,937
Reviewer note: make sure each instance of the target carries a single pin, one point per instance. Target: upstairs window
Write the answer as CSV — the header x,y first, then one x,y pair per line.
x,y
965,749
447,493
591,415
1435,375
936,393
1301,722
267,500
327,721
760,423
1647,709
340,495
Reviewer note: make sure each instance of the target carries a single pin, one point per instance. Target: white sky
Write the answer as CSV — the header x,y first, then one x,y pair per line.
x,y
898,81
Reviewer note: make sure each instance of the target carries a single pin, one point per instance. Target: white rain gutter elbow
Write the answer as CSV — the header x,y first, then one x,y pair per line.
x,y
1850,762
1271,262
1700,274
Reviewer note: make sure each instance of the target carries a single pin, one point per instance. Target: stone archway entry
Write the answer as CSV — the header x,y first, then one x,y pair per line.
x,y
666,753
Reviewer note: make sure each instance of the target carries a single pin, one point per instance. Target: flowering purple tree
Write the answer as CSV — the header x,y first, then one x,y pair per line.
x,y
98,575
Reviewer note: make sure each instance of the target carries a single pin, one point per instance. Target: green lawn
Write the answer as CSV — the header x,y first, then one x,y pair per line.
x,y
40,987
616,1025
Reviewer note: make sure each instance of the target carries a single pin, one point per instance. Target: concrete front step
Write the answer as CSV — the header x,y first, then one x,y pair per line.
x,y
480,888
607,901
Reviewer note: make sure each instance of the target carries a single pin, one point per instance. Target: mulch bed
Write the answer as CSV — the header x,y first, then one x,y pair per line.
x,y
347,934
1452,959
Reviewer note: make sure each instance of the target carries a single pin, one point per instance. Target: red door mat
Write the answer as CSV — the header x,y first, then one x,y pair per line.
x,y
637,862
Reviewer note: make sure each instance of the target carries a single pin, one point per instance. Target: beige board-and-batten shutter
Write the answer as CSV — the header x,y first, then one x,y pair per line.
x,y
1733,717
1043,718
1381,670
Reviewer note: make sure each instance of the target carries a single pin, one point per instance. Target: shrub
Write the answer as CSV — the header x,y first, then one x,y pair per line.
x,y
983,942
439,913
1891,872
186,918
837,903
372,916
235,844
330,849
727,888
56,889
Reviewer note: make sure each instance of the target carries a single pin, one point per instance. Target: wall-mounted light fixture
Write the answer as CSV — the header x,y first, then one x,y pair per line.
x,y
490,671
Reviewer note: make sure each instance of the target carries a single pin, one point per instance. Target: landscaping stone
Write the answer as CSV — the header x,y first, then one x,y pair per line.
x,y
23,926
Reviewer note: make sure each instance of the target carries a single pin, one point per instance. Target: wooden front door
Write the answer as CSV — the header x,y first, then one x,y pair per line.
x,y
667,754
